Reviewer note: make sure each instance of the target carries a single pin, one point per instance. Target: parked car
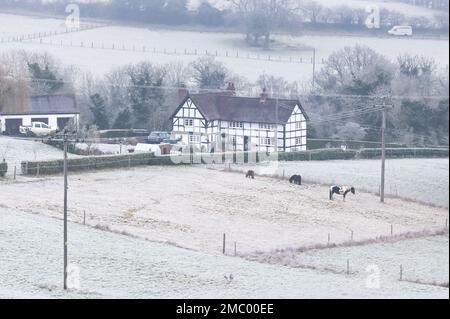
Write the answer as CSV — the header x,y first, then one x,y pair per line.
x,y
38,129
158,137
400,30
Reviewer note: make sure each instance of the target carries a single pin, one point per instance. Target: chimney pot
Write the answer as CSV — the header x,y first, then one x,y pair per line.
x,y
264,96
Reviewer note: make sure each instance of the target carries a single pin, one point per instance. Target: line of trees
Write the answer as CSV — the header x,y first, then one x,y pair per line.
x,y
258,19
144,95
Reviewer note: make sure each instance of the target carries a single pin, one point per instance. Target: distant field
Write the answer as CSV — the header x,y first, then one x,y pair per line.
x,y
407,9
230,47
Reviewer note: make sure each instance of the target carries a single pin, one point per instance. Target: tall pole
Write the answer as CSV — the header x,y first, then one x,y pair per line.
x,y
314,69
276,125
383,155
384,107
65,213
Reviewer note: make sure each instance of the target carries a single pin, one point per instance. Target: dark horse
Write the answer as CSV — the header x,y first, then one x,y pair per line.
x,y
296,179
341,190
250,174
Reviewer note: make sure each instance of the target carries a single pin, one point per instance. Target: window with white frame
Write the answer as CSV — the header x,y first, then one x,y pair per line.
x,y
236,125
194,139
188,122
268,127
298,141
267,141
233,140
298,125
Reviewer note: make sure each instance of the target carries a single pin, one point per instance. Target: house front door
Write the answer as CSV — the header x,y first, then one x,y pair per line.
x,y
246,143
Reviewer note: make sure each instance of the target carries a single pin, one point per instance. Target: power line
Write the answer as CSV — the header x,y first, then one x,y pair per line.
x,y
252,88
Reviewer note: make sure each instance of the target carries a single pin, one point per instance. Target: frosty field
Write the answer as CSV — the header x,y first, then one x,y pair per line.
x,y
16,150
192,208
423,180
115,266
92,50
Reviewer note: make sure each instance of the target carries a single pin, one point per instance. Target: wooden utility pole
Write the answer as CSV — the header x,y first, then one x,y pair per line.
x,y
384,108
65,212
314,69
277,108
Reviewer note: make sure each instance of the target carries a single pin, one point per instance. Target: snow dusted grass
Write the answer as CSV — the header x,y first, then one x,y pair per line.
x,y
115,266
15,25
192,207
100,61
421,180
16,150
425,260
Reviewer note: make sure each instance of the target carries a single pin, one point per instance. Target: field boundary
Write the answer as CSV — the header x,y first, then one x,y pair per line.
x,y
37,168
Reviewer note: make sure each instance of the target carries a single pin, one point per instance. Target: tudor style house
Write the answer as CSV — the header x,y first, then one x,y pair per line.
x,y
212,121
53,110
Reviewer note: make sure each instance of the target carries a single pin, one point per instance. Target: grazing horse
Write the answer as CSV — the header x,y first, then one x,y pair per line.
x,y
341,190
250,174
296,179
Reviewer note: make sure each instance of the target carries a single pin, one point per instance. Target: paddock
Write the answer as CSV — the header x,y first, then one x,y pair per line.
x,y
192,207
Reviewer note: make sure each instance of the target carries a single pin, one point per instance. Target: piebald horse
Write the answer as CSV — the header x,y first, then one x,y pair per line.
x,y
341,190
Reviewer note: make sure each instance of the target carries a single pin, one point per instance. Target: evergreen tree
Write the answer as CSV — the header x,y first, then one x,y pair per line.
x,y
98,110
123,120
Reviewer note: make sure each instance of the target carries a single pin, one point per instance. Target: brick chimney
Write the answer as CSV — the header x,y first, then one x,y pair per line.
x,y
264,96
183,92
231,89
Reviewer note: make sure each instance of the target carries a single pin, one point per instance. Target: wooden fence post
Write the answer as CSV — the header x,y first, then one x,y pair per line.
x,y
15,171
348,266
235,249
224,243
401,272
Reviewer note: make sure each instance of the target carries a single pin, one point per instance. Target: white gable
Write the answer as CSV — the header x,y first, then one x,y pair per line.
x,y
189,110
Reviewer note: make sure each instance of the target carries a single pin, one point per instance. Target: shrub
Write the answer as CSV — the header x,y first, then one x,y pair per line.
x,y
3,168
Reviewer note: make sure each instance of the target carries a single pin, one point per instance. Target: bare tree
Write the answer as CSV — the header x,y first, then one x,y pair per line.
x,y
262,17
311,10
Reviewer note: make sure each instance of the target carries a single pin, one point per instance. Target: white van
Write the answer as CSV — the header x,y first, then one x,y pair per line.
x,y
400,30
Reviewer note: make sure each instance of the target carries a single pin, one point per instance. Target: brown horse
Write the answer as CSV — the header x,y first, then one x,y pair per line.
x,y
250,174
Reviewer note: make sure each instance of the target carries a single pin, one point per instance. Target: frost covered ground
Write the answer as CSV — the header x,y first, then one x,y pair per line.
x,y
423,180
171,45
423,259
114,266
192,207
14,151
12,25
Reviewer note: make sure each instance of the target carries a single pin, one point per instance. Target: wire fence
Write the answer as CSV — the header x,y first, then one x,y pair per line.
x,y
307,59
47,34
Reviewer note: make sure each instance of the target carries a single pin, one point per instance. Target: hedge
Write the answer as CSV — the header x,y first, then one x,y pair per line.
x,y
318,155
404,153
3,168
93,163
314,144
144,159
